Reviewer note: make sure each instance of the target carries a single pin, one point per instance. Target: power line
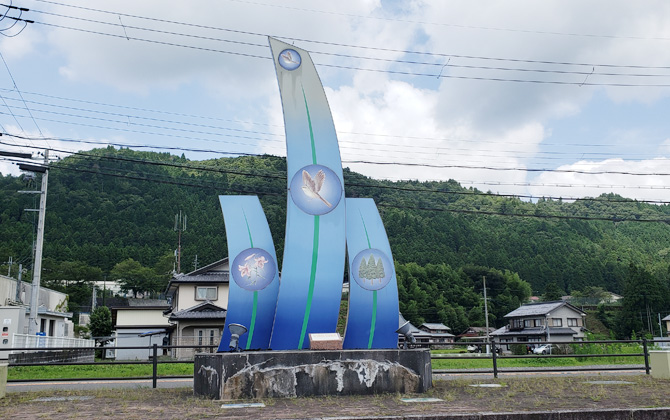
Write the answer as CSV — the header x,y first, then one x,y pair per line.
x,y
498,79
369,17
613,218
19,92
394,187
404,21
383,135
442,166
438,64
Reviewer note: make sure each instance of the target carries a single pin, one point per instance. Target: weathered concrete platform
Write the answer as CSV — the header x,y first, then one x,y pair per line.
x,y
301,373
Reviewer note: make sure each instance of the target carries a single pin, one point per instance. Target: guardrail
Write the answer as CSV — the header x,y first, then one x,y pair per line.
x,y
493,355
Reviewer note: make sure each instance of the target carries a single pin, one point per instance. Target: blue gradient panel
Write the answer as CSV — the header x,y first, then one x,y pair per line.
x,y
314,249
373,291
254,279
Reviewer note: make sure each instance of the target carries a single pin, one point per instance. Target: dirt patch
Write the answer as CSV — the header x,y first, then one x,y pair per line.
x,y
458,396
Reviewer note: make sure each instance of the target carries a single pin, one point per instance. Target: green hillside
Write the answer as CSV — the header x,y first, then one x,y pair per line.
x,y
107,206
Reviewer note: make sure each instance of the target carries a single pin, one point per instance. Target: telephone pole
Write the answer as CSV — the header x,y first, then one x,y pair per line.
x,y
179,227
37,269
486,314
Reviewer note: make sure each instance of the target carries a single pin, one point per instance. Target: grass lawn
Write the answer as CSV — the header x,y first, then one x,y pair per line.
x,y
100,370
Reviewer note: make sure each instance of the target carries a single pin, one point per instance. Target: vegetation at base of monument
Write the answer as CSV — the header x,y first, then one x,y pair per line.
x,y
99,370
100,225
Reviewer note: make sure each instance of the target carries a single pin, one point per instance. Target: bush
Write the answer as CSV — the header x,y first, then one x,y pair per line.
x,y
518,349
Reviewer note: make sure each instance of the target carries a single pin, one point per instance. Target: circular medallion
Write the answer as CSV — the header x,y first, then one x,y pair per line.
x,y
290,59
253,269
371,269
316,189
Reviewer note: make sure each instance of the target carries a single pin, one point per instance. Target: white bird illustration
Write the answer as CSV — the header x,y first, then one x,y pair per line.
x,y
312,186
288,57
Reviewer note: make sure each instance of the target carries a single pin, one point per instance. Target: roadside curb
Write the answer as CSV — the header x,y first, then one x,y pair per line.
x,y
659,413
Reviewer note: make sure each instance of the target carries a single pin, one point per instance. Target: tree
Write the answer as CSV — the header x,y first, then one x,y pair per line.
x,y
100,325
552,292
134,277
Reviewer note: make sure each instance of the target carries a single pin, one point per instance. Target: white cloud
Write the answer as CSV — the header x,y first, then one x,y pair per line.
x,y
632,179
424,120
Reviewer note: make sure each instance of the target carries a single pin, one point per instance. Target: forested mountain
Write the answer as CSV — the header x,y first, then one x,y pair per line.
x,y
108,206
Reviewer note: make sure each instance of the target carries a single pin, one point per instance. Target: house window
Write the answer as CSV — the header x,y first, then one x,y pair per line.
x,y
517,323
556,322
539,322
527,323
205,293
573,322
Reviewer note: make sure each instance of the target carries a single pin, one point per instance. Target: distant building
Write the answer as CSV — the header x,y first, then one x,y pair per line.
x,y
53,322
434,335
198,302
556,321
140,322
52,316
474,334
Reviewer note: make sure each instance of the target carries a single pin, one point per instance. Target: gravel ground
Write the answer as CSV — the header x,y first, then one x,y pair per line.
x,y
598,392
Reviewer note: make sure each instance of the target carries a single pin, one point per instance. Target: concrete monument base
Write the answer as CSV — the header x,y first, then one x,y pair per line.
x,y
301,373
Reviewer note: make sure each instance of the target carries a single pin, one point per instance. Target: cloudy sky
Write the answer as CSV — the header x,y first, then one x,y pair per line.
x,y
558,98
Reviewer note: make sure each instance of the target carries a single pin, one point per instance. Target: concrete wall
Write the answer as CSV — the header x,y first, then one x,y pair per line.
x,y
46,357
302,373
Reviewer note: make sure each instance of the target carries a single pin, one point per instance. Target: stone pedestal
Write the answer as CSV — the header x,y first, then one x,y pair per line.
x,y
301,373
659,361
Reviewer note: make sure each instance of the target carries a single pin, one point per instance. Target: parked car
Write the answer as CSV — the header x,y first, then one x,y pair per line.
x,y
474,348
543,349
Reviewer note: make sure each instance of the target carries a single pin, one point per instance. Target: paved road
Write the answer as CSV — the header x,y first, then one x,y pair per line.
x,y
98,384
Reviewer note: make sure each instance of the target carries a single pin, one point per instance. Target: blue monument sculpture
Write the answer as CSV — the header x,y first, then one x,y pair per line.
x,y
275,314
321,226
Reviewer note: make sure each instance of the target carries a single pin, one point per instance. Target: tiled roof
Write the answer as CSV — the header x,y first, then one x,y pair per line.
x,y
535,309
211,277
435,326
133,302
205,310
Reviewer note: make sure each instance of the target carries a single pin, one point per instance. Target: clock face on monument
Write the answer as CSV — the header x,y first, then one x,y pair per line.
x,y
290,59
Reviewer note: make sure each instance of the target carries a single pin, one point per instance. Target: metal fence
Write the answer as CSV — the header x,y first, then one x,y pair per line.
x,y
565,350
40,342
156,351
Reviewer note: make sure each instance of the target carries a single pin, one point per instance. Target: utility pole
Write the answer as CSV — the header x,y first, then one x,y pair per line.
x,y
486,314
195,263
94,299
18,283
37,269
10,262
179,227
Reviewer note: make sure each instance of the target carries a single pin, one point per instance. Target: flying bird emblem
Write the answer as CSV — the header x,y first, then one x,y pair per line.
x,y
312,186
288,57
